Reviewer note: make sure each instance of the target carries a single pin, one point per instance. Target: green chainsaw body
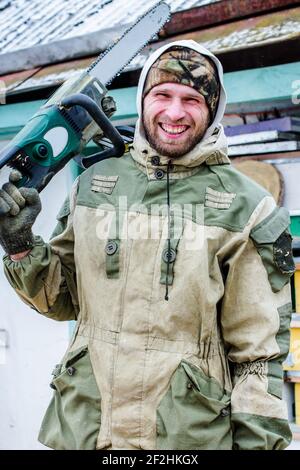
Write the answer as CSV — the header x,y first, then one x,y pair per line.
x,y
79,110
56,133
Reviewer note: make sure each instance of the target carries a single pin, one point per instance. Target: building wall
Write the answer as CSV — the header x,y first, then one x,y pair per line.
x,y
34,345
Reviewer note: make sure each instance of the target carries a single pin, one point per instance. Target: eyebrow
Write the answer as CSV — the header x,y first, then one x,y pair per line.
x,y
164,90
188,95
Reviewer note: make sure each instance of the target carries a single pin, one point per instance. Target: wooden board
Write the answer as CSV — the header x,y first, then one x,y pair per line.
x,y
253,149
288,163
295,323
263,136
293,379
211,13
285,124
265,174
292,157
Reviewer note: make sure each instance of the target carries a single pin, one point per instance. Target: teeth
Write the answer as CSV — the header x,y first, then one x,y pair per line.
x,y
173,129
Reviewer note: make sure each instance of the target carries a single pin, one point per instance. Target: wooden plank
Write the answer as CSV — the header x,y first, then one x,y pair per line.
x,y
296,319
292,379
252,149
264,136
219,12
284,156
295,322
285,124
291,374
289,166
261,54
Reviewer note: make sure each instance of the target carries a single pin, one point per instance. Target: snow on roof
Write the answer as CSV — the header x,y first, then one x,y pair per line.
x,y
26,23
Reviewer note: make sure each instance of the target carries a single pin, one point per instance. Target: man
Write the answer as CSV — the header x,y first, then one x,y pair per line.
x,y
180,334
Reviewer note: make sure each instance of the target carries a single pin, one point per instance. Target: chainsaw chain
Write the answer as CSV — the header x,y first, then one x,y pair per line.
x,y
107,51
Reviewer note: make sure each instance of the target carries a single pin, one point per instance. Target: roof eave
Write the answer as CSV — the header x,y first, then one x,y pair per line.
x,y
59,51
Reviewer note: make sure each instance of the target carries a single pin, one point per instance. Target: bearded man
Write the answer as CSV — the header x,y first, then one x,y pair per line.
x,y
180,331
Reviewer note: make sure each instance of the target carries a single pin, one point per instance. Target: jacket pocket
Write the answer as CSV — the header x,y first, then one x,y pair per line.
x,y
273,242
72,420
194,413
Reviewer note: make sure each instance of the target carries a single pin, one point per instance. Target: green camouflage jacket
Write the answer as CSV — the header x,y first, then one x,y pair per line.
x,y
199,371
202,370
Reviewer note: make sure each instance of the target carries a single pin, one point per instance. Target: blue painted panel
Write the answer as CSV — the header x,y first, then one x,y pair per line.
x,y
263,84
278,82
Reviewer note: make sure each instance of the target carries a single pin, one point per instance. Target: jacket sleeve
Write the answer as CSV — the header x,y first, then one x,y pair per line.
x,y
255,318
45,279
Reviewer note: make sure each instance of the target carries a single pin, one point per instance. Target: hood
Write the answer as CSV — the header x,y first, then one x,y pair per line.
x,y
213,145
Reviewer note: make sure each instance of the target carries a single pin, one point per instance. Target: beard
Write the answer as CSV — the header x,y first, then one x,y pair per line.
x,y
172,149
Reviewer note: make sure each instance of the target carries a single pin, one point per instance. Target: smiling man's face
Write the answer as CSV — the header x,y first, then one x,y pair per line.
x,y
175,118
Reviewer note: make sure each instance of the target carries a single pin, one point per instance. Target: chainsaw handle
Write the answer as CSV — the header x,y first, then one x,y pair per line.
x,y
86,162
100,118
127,133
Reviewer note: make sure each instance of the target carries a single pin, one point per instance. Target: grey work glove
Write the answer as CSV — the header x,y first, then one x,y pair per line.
x,y
19,208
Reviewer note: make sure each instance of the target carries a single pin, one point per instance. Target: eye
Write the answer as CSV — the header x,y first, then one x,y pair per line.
x,y
192,100
163,94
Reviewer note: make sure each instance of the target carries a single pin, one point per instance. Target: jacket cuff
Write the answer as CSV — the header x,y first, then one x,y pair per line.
x,y
18,242
254,432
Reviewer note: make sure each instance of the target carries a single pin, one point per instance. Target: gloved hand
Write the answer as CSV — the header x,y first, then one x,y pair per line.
x,y
18,211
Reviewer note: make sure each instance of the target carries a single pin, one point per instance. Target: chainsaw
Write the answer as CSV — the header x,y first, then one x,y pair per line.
x,y
79,111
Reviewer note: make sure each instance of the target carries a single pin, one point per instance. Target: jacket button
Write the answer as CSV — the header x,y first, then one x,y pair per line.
x,y
155,160
189,385
169,255
111,247
71,370
225,412
159,174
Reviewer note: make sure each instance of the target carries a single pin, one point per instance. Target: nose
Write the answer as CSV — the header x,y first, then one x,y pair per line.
x,y
175,110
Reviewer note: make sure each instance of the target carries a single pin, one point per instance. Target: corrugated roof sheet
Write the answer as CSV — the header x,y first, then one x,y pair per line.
x,y
25,23
233,36
245,33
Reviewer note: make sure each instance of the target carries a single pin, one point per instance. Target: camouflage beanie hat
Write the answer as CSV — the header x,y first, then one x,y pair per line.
x,y
187,67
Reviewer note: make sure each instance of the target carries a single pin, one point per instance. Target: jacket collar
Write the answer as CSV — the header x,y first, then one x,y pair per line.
x,y
211,151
